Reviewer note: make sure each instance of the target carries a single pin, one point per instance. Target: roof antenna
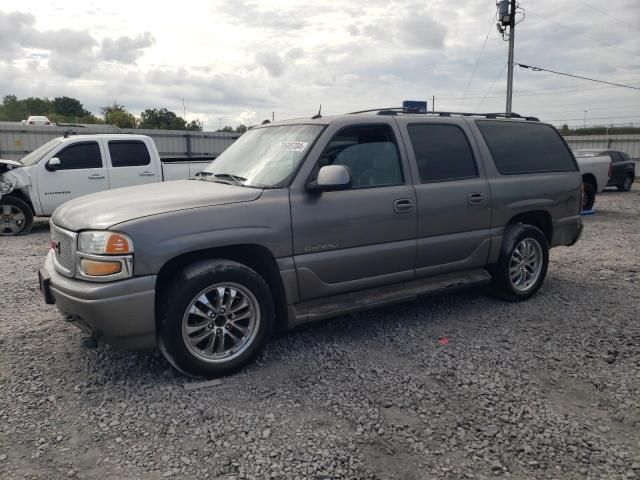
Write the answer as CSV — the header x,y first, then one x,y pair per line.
x,y
319,114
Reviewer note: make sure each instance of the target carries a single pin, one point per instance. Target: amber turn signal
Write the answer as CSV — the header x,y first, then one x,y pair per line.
x,y
118,244
95,268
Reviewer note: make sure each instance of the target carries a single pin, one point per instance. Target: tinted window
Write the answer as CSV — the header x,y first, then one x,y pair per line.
x,y
129,154
442,153
80,155
369,151
525,147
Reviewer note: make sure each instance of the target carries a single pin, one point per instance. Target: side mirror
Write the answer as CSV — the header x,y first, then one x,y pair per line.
x,y
53,164
331,177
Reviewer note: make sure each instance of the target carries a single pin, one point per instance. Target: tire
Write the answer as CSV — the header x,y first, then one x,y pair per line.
x,y
206,288
518,240
589,197
16,217
626,186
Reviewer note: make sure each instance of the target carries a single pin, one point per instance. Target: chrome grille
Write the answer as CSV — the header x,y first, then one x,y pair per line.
x,y
63,243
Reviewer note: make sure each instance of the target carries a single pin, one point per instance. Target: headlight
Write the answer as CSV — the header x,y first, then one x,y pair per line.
x,y
104,256
104,243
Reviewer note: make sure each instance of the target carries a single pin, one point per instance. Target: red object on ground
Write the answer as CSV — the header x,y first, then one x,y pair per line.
x,y
444,341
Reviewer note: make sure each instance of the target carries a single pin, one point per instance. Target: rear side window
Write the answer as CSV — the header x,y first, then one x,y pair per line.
x,y
80,155
128,153
442,153
519,147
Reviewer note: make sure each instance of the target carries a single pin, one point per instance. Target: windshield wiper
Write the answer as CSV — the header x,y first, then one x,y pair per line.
x,y
236,179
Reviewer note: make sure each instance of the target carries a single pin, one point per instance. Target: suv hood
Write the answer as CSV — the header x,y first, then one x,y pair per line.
x,y
105,209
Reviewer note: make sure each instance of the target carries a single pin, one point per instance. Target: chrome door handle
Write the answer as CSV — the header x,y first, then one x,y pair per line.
x,y
475,198
95,176
402,205
147,174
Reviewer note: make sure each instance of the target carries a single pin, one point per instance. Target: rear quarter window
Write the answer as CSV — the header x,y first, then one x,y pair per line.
x,y
519,147
128,153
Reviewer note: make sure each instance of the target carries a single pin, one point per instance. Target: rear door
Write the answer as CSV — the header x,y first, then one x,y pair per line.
x,y
130,163
453,197
363,236
82,171
617,168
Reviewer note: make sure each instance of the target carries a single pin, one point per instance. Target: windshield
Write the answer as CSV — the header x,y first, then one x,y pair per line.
x,y
37,155
264,157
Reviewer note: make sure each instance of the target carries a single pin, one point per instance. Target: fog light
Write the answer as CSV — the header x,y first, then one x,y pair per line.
x,y
96,268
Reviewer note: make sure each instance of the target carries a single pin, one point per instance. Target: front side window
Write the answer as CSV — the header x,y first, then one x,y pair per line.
x,y
370,153
80,155
442,153
526,147
128,153
263,157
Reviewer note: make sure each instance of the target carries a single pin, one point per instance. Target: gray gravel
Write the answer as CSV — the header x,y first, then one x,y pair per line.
x,y
460,386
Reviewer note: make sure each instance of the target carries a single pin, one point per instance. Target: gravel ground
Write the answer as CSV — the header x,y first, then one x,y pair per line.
x,y
459,386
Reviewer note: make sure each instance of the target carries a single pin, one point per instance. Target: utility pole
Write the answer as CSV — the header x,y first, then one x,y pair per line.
x,y
585,119
512,35
273,117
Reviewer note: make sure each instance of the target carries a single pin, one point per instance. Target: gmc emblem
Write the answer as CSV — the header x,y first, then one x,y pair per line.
x,y
55,245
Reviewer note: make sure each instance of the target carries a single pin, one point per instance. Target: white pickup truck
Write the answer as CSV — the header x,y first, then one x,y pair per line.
x,y
66,168
595,170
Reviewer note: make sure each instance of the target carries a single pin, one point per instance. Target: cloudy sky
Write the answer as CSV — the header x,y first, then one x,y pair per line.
x,y
238,61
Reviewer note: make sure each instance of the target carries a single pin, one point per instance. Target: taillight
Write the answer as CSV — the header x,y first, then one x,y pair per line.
x,y
610,168
581,195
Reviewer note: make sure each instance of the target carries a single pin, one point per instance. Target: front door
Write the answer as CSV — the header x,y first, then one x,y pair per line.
x,y
453,197
364,236
81,172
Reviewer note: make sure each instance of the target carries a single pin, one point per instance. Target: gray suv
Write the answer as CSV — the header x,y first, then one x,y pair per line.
x,y
311,218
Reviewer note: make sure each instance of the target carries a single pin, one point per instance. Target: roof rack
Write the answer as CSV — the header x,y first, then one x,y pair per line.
x,y
397,110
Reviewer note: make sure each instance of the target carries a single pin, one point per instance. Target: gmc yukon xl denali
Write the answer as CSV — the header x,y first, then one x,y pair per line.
x,y
307,219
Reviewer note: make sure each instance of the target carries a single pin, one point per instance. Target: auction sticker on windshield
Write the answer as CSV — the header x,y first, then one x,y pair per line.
x,y
293,146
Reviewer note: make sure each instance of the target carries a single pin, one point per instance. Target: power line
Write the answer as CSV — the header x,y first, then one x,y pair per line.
x,y
540,69
473,72
608,15
491,87
592,118
595,39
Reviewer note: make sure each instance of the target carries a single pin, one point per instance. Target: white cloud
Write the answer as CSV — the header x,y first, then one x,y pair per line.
x,y
240,60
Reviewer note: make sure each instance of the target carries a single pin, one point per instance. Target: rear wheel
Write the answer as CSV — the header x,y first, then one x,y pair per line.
x,y
16,217
589,196
216,317
626,185
523,263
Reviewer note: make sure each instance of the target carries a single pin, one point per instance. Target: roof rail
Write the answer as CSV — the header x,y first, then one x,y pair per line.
x,y
397,110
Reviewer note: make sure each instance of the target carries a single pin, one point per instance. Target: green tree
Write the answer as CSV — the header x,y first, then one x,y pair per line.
x,y
121,119
12,109
38,106
241,128
69,107
116,107
162,119
226,128
194,125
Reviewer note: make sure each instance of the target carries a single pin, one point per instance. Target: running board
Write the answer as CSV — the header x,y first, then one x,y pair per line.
x,y
320,309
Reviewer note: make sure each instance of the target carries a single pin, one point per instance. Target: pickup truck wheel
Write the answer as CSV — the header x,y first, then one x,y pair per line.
x,y
16,217
589,196
523,263
626,186
216,317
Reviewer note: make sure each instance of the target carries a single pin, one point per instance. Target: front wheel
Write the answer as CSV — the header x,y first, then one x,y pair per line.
x,y
16,217
215,318
523,263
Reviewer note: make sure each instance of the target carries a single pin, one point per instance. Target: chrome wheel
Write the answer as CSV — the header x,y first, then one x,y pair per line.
x,y
12,219
221,322
525,264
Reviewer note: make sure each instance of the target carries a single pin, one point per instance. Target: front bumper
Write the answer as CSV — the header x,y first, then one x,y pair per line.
x,y
121,313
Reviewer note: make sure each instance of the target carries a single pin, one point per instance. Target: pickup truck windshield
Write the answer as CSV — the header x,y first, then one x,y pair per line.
x,y
264,157
35,156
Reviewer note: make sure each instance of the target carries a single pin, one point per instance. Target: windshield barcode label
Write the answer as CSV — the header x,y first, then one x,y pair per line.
x,y
293,146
